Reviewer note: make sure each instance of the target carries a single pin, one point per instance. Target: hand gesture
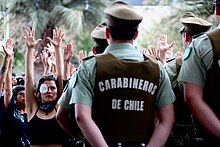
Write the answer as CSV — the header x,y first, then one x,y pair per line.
x,y
8,49
162,44
180,52
44,57
52,59
153,51
143,51
82,54
35,58
68,52
57,38
50,48
29,38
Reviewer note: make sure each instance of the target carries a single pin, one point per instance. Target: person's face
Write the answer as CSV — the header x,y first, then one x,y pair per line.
x,y
51,93
14,81
21,97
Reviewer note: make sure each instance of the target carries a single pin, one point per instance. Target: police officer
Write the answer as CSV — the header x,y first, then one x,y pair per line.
x,y
200,85
193,27
63,116
99,39
117,93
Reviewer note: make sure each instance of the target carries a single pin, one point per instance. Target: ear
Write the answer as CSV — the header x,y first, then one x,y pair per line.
x,y
94,50
187,37
107,33
136,34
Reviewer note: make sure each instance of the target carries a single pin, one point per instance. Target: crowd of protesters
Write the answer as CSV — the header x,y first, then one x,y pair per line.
x,y
97,104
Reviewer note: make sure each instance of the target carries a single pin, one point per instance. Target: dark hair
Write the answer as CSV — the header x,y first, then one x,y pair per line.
x,y
100,50
42,79
20,80
122,33
16,90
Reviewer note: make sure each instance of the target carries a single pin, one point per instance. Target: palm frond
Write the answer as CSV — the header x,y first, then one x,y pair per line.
x,y
70,18
40,19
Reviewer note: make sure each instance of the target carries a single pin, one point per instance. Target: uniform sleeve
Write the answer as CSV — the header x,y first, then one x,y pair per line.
x,y
66,95
165,93
172,72
197,61
84,86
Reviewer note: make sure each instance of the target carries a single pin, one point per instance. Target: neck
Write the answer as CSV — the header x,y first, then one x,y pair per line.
x,y
121,41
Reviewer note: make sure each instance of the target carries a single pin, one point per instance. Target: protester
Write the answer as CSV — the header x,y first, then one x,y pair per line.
x,y
15,117
41,105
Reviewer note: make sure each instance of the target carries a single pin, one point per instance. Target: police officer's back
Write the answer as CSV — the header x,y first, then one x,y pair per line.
x,y
116,94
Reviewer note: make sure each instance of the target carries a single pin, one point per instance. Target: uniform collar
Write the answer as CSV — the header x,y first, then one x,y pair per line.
x,y
119,46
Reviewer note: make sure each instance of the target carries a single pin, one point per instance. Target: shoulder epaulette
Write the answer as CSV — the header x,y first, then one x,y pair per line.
x,y
87,58
171,59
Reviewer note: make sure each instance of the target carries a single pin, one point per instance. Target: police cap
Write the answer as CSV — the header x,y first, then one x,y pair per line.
x,y
120,14
98,35
193,24
217,1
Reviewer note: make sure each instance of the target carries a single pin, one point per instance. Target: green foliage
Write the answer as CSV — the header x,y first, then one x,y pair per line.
x,y
170,25
18,62
83,42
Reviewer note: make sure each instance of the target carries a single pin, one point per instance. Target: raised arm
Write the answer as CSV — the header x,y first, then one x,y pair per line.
x,y
7,75
67,54
57,43
163,47
30,41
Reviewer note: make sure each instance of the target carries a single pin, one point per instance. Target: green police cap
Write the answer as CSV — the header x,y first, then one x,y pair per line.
x,y
120,14
193,24
98,35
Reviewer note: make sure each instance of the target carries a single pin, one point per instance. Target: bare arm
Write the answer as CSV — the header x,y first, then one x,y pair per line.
x,y
194,100
57,43
8,50
68,53
30,100
164,127
88,126
163,47
62,117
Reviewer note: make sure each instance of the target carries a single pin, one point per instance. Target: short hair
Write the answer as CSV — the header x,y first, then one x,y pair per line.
x,y
122,33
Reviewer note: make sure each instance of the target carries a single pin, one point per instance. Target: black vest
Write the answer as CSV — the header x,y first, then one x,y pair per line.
x,y
125,92
213,75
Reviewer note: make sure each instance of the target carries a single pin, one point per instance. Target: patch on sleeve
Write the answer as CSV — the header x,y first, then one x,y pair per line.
x,y
186,53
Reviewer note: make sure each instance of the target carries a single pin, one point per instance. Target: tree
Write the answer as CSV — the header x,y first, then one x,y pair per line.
x,y
74,16
171,25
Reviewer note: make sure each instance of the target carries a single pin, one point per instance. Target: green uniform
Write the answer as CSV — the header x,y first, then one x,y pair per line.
x,y
67,94
197,59
83,91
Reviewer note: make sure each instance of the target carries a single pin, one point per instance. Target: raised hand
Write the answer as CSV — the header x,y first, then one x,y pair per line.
x,y
8,48
153,51
50,48
162,44
44,57
82,54
57,38
35,58
180,52
68,52
29,38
